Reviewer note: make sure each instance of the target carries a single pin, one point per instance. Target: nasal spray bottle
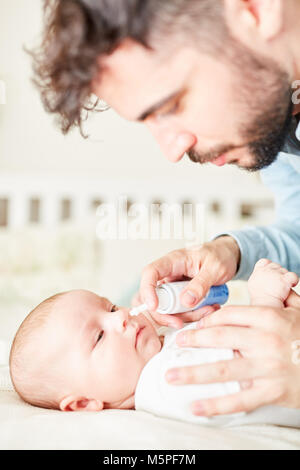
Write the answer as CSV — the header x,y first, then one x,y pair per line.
x,y
168,298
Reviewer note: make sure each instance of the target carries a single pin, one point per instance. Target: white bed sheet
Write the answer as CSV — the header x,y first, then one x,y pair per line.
x,y
23,426
26,427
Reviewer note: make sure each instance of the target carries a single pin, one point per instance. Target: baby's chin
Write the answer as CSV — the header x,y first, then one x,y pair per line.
x,y
152,343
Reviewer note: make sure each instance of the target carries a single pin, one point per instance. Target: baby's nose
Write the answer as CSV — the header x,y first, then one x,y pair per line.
x,y
122,316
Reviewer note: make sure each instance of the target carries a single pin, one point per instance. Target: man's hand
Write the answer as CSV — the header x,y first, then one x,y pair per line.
x,y
213,263
268,368
175,320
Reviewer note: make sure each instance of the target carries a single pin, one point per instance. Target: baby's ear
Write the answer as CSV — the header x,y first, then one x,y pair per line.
x,y
73,403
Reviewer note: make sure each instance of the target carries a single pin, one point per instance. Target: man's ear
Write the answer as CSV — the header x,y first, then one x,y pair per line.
x,y
75,403
264,16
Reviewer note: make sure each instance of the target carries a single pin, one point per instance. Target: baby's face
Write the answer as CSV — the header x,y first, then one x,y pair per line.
x,y
101,349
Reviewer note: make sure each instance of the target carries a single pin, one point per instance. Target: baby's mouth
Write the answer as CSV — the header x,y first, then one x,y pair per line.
x,y
138,332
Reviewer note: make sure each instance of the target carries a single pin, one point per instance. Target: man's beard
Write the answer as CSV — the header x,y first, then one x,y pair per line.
x,y
267,94
266,150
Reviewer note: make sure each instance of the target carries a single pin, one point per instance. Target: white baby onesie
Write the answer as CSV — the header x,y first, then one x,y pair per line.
x,y
154,394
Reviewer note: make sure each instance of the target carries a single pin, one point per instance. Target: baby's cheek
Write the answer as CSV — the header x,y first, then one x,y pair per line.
x,y
152,348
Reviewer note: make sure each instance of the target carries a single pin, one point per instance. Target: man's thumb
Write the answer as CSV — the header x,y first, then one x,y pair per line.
x,y
293,300
195,290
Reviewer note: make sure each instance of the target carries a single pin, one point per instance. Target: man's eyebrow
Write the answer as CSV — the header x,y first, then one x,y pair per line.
x,y
157,106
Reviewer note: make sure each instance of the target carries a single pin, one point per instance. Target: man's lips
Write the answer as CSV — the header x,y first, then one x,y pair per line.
x,y
220,161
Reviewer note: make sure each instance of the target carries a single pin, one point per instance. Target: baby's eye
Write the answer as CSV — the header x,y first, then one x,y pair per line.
x,y
168,110
114,308
100,336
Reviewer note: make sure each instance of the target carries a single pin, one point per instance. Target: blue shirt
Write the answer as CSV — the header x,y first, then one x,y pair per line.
x,y
279,242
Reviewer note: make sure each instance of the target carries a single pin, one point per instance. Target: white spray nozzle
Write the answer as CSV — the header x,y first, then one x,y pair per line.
x,y
134,312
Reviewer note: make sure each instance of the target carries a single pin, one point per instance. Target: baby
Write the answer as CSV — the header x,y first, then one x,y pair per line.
x,y
77,351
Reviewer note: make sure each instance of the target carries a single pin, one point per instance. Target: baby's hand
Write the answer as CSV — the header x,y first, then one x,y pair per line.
x,y
270,284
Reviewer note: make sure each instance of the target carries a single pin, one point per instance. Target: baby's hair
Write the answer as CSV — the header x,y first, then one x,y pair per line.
x,y
36,389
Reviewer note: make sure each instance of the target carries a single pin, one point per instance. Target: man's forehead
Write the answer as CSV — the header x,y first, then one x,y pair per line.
x,y
134,78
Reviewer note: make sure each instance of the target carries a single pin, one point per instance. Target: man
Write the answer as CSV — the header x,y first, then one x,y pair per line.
x,y
216,80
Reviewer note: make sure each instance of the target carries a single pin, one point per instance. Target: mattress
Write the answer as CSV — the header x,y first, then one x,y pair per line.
x,y
27,427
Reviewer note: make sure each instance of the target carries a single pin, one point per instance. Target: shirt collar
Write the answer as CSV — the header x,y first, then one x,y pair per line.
x,y
298,132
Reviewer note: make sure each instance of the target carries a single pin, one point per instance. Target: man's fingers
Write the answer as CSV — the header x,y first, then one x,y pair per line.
x,y
197,288
245,401
150,277
293,300
195,315
265,318
136,300
173,321
239,369
177,320
228,337
171,267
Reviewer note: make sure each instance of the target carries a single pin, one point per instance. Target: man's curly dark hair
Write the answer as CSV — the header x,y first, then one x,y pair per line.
x,y
77,32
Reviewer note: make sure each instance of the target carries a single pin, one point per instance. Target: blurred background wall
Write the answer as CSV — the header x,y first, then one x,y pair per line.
x,y
51,185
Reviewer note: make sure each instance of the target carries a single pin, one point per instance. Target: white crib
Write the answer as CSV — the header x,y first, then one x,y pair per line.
x,y
49,199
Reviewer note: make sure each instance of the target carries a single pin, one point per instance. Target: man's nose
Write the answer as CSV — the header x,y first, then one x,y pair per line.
x,y
173,143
